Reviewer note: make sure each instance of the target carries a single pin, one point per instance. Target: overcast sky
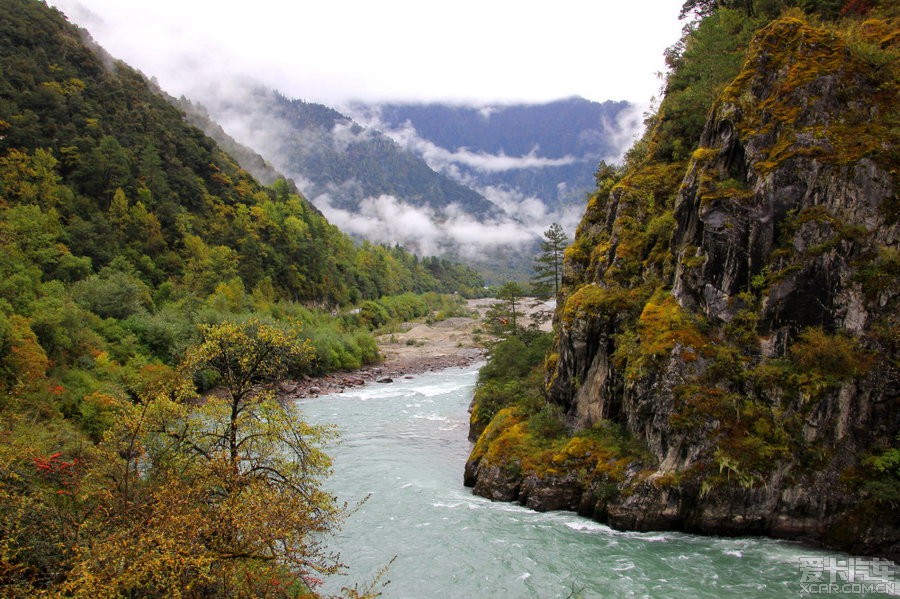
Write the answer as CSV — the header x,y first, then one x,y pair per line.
x,y
332,51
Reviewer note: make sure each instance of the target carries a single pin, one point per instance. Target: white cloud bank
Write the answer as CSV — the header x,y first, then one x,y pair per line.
x,y
624,131
386,219
528,216
446,161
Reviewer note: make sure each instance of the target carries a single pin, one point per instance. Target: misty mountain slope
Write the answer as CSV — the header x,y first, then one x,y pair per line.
x,y
368,184
355,159
330,155
523,168
512,153
249,160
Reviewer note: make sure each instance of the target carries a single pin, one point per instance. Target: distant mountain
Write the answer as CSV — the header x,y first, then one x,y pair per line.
x,y
544,151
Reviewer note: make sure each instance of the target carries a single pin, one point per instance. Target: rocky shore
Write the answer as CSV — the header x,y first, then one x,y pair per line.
x,y
388,372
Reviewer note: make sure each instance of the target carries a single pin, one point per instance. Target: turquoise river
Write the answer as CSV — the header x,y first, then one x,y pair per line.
x,y
404,445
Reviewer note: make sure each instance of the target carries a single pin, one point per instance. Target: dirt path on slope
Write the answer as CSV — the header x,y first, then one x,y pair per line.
x,y
413,348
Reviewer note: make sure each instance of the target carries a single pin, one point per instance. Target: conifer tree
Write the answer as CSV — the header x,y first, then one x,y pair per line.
x,y
548,264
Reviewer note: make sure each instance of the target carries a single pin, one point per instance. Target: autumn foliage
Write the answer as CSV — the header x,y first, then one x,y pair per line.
x,y
185,495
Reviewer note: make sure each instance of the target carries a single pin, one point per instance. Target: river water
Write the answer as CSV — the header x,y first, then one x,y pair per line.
x,y
404,446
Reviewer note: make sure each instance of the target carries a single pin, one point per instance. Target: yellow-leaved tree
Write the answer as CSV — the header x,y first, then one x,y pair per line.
x,y
213,496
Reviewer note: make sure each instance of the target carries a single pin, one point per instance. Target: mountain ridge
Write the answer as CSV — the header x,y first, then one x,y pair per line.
x,y
547,151
379,187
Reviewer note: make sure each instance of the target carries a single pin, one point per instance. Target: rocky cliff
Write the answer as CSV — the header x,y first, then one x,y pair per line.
x,y
726,338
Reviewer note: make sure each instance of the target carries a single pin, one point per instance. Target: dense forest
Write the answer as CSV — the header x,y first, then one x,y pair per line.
x,y
137,262
725,351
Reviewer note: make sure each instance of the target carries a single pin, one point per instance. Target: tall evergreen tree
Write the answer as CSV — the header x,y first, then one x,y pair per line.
x,y
548,264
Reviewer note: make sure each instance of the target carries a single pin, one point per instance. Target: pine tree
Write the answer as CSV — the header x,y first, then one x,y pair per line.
x,y
548,264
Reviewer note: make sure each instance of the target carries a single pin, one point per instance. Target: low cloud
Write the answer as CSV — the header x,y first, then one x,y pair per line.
x,y
447,161
624,131
386,219
247,113
531,212
619,134
487,111
489,163
345,133
526,209
429,232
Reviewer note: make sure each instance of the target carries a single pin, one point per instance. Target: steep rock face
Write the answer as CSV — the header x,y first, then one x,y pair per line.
x,y
737,314
777,189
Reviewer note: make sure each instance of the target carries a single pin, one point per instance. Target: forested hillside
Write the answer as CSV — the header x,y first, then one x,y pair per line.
x,y
126,176
136,260
725,353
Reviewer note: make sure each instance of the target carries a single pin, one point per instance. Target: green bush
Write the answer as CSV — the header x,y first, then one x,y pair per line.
x,y
165,334
339,350
512,377
407,306
373,315
548,422
112,294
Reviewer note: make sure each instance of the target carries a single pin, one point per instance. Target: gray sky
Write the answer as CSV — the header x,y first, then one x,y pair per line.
x,y
332,51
